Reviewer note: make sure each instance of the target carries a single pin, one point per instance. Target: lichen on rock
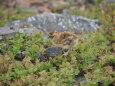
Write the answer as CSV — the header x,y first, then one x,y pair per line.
x,y
58,22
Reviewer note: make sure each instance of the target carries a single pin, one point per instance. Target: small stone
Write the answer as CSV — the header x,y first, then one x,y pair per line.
x,y
100,84
54,51
41,57
19,56
80,78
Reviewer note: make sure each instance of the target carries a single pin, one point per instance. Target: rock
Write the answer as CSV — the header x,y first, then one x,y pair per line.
x,y
59,22
54,51
100,84
10,31
19,57
4,31
80,79
41,57
50,22
36,5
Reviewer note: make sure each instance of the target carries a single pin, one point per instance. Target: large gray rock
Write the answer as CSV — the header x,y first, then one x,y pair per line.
x,y
59,22
49,22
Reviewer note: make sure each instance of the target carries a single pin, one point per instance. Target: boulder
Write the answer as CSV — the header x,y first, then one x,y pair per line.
x,y
48,22
59,22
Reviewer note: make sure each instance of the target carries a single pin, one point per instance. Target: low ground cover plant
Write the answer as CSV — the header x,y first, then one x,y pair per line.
x,y
93,58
